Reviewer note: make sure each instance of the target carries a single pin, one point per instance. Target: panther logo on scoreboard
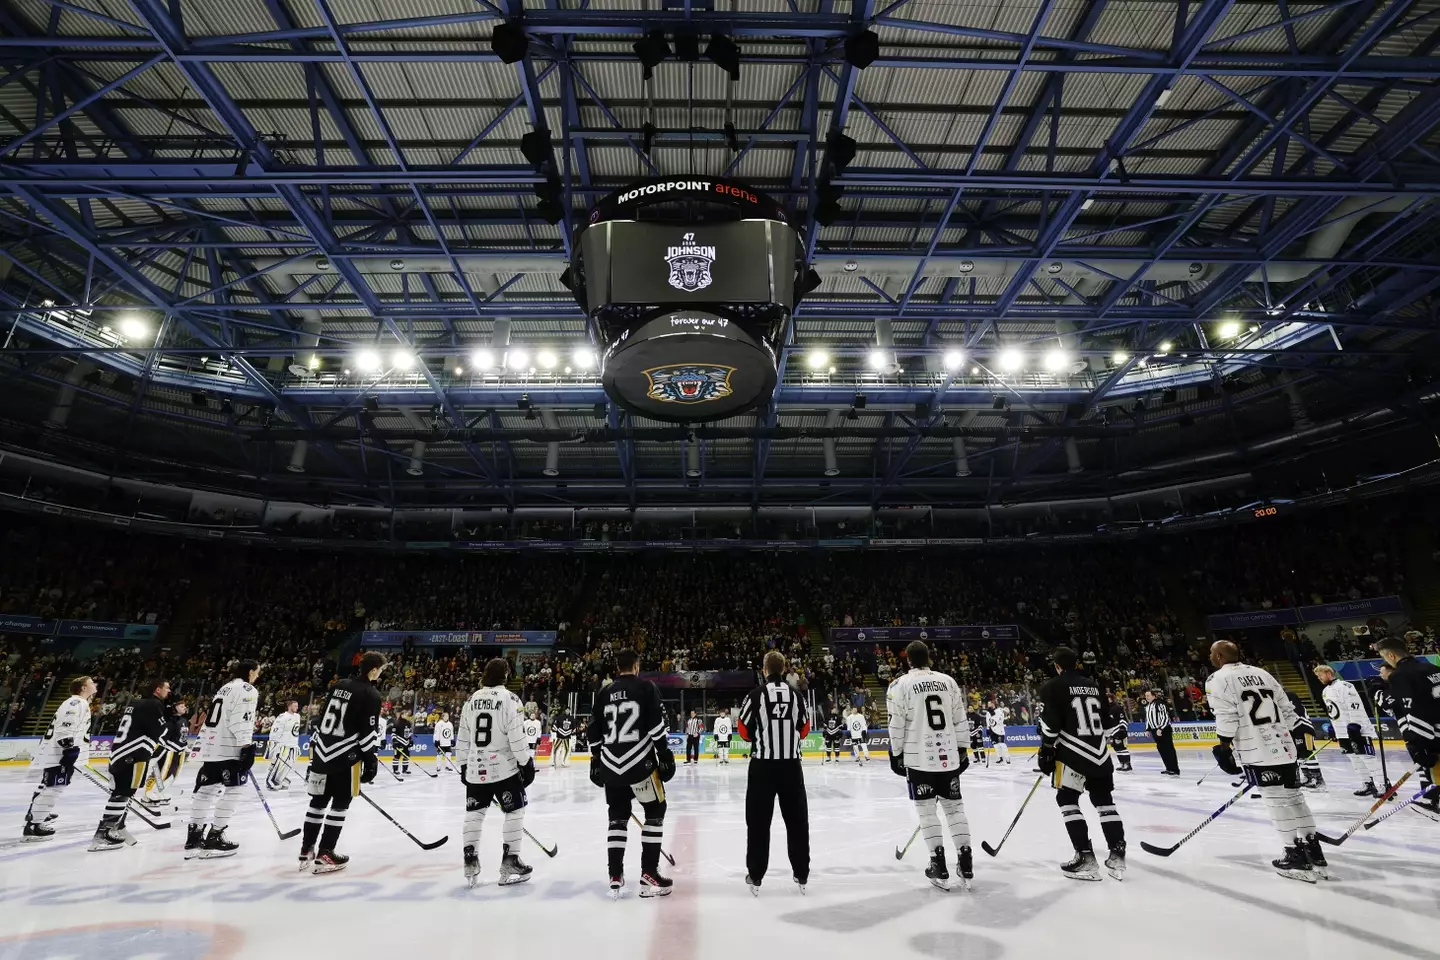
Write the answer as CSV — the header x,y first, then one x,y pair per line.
x,y
690,264
689,382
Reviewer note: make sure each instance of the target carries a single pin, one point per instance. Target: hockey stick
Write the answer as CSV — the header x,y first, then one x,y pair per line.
x,y
271,814
381,810
901,851
140,812
1390,813
549,851
662,849
995,850
1380,801
1207,776
1166,851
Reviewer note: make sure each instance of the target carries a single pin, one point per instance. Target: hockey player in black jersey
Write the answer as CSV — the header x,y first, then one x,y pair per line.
x,y
1304,737
136,740
1117,731
834,732
631,760
401,741
342,757
1415,686
1075,753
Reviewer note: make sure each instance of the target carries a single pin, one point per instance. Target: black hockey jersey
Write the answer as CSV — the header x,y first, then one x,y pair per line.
x,y
627,724
138,737
1303,723
1415,686
400,733
834,725
174,738
1117,727
1072,722
565,727
348,726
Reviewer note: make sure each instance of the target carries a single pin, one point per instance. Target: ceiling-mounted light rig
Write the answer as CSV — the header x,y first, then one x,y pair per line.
x,y
723,52
509,42
862,49
651,50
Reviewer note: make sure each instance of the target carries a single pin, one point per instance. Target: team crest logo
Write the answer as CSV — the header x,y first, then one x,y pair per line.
x,y
690,382
690,264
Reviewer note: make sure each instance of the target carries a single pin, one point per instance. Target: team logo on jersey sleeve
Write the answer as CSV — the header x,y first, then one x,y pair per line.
x,y
689,382
690,264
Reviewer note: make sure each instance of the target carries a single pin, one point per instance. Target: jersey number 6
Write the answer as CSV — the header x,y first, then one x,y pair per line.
x,y
933,713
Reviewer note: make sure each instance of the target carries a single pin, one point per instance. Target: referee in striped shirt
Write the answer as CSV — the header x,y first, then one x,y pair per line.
x,y
1157,721
773,720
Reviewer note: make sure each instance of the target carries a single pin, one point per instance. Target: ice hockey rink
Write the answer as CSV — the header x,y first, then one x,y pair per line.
x,y
1217,896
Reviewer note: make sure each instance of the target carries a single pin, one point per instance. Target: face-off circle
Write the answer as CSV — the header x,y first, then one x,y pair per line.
x,y
688,366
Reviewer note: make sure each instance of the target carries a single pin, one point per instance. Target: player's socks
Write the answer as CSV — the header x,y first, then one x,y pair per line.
x,y
472,866
1295,865
512,868
1082,866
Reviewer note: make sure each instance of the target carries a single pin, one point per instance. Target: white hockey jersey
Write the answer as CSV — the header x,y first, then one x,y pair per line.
x,y
856,724
229,723
996,718
71,722
444,733
1250,705
722,727
382,728
532,732
492,743
1345,707
927,720
285,731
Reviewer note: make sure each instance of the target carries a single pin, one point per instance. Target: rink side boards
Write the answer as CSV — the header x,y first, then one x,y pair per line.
x,y
19,750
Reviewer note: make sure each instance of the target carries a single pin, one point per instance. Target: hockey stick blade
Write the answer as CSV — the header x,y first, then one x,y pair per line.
x,y
985,845
418,842
548,851
1379,802
1166,851
667,856
1149,847
901,851
995,850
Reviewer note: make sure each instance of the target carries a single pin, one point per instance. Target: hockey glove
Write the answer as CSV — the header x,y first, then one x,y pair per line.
x,y
897,764
69,757
462,773
247,757
1352,731
370,766
1426,755
1225,757
665,760
527,773
597,772
1045,759
963,763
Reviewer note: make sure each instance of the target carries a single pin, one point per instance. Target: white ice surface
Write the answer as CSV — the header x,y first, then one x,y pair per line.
x,y
1216,897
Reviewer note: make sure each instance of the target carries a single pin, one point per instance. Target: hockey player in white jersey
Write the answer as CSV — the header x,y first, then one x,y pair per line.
x,y
857,726
1253,719
284,746
533,729
928,737
66,745
995,720
722,738
1352,727
496,765
444,736
227,752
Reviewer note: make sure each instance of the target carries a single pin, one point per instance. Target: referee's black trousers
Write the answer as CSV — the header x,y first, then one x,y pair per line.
x,y
1165,746
771,780
692,748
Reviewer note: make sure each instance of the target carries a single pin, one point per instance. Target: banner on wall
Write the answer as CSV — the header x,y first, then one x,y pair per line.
x,y
1360,670
89,629
1315,613
703,680
1002,631
457,638
18,623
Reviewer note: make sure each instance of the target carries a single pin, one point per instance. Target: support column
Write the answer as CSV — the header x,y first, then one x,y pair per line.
x,y
832,463
552,448
65,397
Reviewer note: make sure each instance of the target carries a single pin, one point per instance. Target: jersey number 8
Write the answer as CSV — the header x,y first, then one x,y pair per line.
x,y
484,725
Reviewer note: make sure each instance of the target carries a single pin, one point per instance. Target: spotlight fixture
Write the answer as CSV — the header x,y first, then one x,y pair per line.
x,y
483,360
547,359
1229,330
840,150
134,328
827,204
598,411
862,49
858,402
1166,347
584,358
997,402
732,139
524,402
1056,360
687,47
1010,359
403,360
879,359
817,359
509,42
647,137
807,284
550,208
922,410
372,404
724,54
367,361
954,359
199,399
226,406
517,359
651,49
1120,357
1168,396
535,146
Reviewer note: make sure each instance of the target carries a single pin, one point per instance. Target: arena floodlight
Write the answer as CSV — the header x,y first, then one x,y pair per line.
x,y
1166,347
509,42
547,359
841,150
1120,357
1229,330
518,358
817,359
723,52
1056,360
551,207
879,359
535,146
1010,359
827,204
367,361
483,360
584,358
862,49
134,328
651,50
403,360
954,359
687,46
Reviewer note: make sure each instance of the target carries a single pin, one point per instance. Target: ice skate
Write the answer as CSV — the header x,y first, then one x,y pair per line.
x,y
1082,866
1295,864
216,846
1316,855
51,818
37,833
1368,790
800,885
111,838
194,838
616,885
512,868
472,867
965,866
328,861
753,885
652,884
937,873
306,856
1115,863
